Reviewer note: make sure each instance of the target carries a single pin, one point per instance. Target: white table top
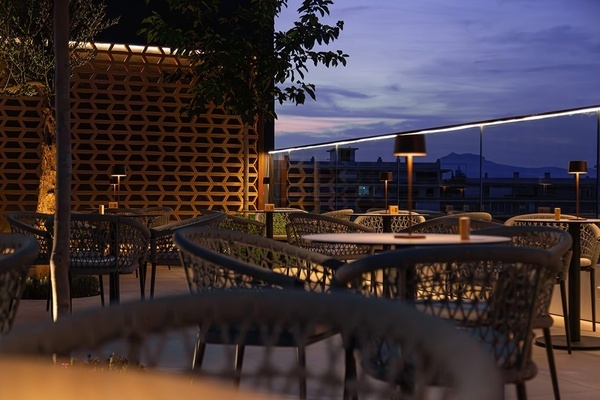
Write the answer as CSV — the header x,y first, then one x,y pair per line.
x,y
560,221
430,239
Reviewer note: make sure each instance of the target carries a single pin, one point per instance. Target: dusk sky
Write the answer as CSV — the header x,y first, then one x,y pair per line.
x,y
423,63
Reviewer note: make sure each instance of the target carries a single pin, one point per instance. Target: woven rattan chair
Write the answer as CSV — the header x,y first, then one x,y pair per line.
x,y
398,223
17,253
107,245
449,225
217,259
301,224
589,239
159,334
490,291
559,242
162,249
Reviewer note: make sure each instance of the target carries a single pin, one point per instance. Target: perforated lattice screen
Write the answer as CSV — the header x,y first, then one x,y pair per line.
x,y
123,113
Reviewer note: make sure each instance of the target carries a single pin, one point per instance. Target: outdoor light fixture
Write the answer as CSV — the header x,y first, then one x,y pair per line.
x,y
410,146
385,177
577,168
118,171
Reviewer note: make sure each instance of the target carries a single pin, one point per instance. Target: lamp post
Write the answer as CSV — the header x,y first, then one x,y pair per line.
x,y
385,177
577,168
118,171
409,146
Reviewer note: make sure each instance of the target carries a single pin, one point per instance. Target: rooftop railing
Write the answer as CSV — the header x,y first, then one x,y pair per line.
x,y
503,166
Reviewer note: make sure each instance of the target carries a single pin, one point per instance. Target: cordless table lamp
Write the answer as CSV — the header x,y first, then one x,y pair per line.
x,y
410,145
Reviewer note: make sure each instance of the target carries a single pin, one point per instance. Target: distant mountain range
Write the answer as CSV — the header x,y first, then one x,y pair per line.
x,y
469,165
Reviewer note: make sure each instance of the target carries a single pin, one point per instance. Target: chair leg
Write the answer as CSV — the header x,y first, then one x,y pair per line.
x,y
521,391
198,355
152,279
239,360
551,363
301,351
563,298
142,278
350,376
592,272
101,281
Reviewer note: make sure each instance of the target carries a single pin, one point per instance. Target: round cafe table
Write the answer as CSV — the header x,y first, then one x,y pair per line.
x,y
395,240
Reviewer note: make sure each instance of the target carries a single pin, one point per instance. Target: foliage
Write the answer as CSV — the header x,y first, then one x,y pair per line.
x,y
27,57
37,285
238,60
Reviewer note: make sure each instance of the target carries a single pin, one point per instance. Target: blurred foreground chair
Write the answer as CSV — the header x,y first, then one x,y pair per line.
x,y
558,242
491,292
301,224
159,334
217,259
162,249
17,253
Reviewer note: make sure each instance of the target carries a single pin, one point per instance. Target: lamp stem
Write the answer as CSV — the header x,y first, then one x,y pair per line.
x,y
409,173
577,195
118,189
386,194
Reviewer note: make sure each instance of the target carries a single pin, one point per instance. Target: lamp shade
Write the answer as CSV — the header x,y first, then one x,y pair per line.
x,y
385,176
118,170
578,167
410,145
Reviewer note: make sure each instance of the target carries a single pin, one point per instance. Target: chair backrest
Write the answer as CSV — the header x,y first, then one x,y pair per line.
x,y
490,291
218,258
589,238
17,253
589,234
162,248
34,224
480,215
103,244
151,216
301,224
398,223
449,225
552,239
160,334
513,220
344,214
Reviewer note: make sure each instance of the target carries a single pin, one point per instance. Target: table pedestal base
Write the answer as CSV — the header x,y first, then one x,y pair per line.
x,y
560,342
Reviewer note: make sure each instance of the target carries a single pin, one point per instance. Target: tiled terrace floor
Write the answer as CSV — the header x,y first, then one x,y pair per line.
x,y
578,372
